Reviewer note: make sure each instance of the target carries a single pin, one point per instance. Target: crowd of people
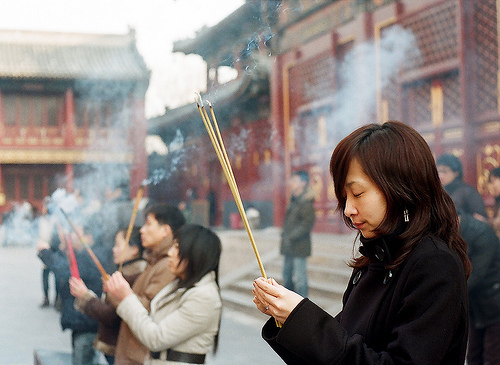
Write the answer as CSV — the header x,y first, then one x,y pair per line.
x,y
146,293
425,284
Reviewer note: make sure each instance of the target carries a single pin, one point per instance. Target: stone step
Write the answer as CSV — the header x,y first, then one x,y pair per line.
x,y
340,273
328,272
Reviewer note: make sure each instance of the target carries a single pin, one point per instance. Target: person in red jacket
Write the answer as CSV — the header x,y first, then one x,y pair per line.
x,y
406,301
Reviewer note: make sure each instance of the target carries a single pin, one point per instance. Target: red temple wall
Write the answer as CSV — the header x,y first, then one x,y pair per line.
x,y
450,97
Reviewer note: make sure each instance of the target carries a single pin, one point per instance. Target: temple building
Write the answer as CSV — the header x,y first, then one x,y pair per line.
x,y
330,67
242,109
71,113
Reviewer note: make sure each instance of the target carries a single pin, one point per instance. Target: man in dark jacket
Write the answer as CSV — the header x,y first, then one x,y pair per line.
x,y
466,198
296,234
83,328
484,290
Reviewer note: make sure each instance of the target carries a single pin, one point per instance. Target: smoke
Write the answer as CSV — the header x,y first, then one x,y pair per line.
x,y
177,156
356,99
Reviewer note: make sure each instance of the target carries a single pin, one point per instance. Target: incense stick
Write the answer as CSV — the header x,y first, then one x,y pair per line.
x,y
94,258
70,252
218,144
131,224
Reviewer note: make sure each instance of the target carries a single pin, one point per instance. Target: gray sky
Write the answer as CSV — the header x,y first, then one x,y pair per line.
x,y
175,77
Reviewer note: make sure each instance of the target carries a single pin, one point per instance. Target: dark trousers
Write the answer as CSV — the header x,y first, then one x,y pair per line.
x,y
45,282
484,345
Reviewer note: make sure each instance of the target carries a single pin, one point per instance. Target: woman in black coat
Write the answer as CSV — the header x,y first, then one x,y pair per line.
x,y
406,301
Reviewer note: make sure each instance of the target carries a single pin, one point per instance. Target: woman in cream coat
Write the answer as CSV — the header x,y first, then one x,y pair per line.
x,y
185,315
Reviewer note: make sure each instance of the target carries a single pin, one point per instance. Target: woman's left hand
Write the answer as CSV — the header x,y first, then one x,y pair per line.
x,y
118,287
274,299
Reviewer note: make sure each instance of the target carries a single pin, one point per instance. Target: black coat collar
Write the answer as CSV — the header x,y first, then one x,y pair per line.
x,y
381,249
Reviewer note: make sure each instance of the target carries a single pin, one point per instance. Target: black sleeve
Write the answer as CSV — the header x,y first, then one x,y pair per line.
x,y
430,313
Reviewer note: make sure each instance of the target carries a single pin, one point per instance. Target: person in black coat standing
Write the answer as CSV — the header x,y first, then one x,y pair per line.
x,y
484,291
296,233
83,328
406,301
466,198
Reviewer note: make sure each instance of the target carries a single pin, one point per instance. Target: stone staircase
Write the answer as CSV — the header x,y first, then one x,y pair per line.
x,y
328,272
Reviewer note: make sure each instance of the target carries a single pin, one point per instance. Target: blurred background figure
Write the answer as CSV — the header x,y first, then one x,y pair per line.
x,y
483,287
83,328
116,211
495,189
46,225
296,233
253,216
183,207
466,198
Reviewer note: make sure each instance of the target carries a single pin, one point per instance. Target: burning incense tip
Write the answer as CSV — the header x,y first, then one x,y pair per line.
x,y
198,99
209,103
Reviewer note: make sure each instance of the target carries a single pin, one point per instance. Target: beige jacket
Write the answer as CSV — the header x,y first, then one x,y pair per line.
x,y
129,350
185,320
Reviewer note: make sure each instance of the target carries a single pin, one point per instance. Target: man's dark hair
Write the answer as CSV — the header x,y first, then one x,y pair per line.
x,y
167,214
495,172
303,175
452,162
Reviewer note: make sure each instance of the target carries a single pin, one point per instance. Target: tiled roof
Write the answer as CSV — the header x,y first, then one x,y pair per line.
x,y
225,93
235,28
34,54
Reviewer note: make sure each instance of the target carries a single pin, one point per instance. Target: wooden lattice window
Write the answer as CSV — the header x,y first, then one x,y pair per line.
x,y
419,101
436,31
452,104
311,80
486,55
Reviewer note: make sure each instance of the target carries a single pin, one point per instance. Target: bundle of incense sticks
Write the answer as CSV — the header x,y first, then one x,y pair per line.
x,y
138,198
94,258
216,138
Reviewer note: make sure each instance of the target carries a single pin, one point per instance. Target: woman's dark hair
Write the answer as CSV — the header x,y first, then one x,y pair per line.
x,y
202,248
400,163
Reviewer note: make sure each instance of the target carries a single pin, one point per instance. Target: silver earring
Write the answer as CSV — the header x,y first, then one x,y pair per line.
x,y
406,215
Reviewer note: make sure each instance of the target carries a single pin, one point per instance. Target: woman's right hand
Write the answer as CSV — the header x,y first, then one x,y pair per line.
x,y
77,287
274,299
118,287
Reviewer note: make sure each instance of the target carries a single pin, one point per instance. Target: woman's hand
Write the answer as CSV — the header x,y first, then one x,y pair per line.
x,y
274,299
77,287
118,287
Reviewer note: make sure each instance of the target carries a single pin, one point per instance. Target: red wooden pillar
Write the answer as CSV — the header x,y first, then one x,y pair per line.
x,y
467,88
70,119
70,177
